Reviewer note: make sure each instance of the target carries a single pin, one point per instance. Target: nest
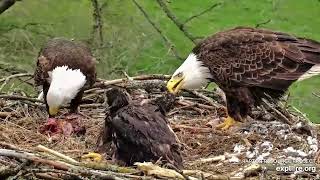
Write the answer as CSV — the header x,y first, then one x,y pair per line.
x,y
273,143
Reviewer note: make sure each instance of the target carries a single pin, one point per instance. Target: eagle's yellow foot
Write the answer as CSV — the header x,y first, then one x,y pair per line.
x,y
228,122
93,156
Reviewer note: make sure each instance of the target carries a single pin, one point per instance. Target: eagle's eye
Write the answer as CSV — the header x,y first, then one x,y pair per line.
x,y
179,75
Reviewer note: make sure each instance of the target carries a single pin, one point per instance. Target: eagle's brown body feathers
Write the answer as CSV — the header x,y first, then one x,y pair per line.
x,y
247,62
140,132
61,52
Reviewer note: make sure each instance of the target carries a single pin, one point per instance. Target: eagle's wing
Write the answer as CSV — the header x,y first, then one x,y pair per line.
x,y
41,75
138,124
146,128
251,57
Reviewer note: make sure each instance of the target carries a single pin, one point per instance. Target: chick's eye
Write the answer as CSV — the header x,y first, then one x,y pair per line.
x,y
179,74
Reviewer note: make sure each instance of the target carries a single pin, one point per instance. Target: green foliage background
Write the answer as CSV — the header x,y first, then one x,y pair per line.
x,y
131,44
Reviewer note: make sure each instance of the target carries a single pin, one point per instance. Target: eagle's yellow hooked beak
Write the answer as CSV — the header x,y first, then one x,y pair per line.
x,y
53,110
175,84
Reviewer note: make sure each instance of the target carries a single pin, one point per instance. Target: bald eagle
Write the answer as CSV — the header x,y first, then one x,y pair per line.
x,y
247,64
64,69
140,132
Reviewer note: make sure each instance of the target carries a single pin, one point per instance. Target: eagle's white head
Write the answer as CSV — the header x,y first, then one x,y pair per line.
x,y
65,85
191,74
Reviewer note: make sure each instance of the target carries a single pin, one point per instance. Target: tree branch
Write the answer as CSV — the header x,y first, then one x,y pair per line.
x,y
6,4
98,22
165,38
202,12
175,20
63,166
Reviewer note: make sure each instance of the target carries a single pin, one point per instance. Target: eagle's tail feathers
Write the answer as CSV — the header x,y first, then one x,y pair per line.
x,y
311,50
315,70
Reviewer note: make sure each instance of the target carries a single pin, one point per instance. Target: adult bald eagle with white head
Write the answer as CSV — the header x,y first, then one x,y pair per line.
x,y
247,63
64,70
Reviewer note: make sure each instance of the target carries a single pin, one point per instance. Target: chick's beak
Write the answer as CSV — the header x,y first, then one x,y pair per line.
x,y
53,110
175,84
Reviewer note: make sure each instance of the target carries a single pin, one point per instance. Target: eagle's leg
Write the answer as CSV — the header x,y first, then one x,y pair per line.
x,y
75,102
45,88
238,106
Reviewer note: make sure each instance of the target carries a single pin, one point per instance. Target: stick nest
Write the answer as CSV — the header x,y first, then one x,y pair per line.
x,y
272,137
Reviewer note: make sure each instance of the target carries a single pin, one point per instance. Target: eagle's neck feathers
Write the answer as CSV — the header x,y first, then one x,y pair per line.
x,y
195,73
65,85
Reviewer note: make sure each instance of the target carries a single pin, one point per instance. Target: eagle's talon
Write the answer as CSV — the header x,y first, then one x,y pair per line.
x,y
228,122
96,157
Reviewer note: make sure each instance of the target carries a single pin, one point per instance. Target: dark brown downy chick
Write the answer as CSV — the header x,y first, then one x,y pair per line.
x,y
140,132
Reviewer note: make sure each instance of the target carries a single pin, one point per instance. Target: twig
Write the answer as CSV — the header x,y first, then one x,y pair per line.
x,y
176,110
7,171
191,105
151,169
252,170
94,94
16,76
32,157
16,97
97,166
193,129
7,79
91,90
212,159
55,153
163,36
175,20
42,170
124,80
214,104
187,103
42,105
280,115
178,171
95,105
35,100
63,166
263,23
127,76
202,12
10,146
205,175
6,114
301,113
